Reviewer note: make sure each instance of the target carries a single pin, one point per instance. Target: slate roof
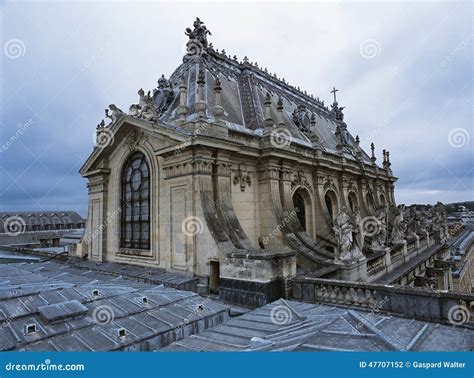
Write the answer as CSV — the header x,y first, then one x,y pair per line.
x,y
296,326
32,218
53,306
244,87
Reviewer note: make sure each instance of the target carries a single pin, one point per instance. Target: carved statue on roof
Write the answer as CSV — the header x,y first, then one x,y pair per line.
x,y
379,239
115,113
439,223
197,38
337,110
357,233
343,230
398,226
145,109
349,236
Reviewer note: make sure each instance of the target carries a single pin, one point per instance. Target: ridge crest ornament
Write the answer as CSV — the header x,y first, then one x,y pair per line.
x,y
197,44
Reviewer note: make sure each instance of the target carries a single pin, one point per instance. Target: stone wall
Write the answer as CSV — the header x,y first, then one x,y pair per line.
x,y
414,303
256,278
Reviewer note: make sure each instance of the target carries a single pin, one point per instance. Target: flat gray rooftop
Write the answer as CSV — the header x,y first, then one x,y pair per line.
x,y
52,306
66,306
296,326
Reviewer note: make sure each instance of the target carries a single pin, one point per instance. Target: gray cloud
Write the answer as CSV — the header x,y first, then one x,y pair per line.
x,y
407,98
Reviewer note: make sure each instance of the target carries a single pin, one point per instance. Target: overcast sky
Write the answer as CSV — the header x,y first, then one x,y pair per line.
x,y
404,71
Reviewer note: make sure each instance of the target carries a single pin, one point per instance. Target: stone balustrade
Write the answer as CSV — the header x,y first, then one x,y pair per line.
x,y
414,303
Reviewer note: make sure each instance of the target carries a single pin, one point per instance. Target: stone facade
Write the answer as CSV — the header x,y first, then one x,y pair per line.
x,y
241,164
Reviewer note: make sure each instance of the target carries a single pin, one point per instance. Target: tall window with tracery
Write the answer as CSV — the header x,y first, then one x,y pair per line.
x,y
135,228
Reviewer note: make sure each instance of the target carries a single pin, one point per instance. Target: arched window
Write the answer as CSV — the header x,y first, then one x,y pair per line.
x,y
331,204
298,203
135,230
353,202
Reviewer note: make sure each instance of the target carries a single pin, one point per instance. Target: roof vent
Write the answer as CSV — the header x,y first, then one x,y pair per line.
x,y
122,333
30,329
144,300
95,293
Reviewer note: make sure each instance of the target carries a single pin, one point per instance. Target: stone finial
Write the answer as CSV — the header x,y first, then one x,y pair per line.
x,y
339,141
314,135
182,109
218,110
357,147
200,105
246,59
268,115
384,156
217,86
373,158
201,79
312,121
388,160
281,122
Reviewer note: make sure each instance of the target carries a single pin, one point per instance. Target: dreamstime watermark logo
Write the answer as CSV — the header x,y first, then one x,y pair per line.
x,y
199,130
458,137
97,231
103,138
103,315
370,49
459,315
14,48
288,217
192,226
370,225
280,138
281,315
18,310
375,309
14,225
47,365
461,46
194,49
21,128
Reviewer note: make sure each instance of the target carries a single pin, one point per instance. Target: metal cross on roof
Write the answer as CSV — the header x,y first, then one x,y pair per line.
x,y
334,90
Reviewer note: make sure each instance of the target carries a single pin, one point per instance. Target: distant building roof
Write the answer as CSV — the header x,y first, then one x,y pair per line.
x,y
19,219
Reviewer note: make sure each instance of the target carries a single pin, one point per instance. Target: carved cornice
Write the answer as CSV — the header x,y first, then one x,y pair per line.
x,y
223,168
196,166
97,184
269,172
